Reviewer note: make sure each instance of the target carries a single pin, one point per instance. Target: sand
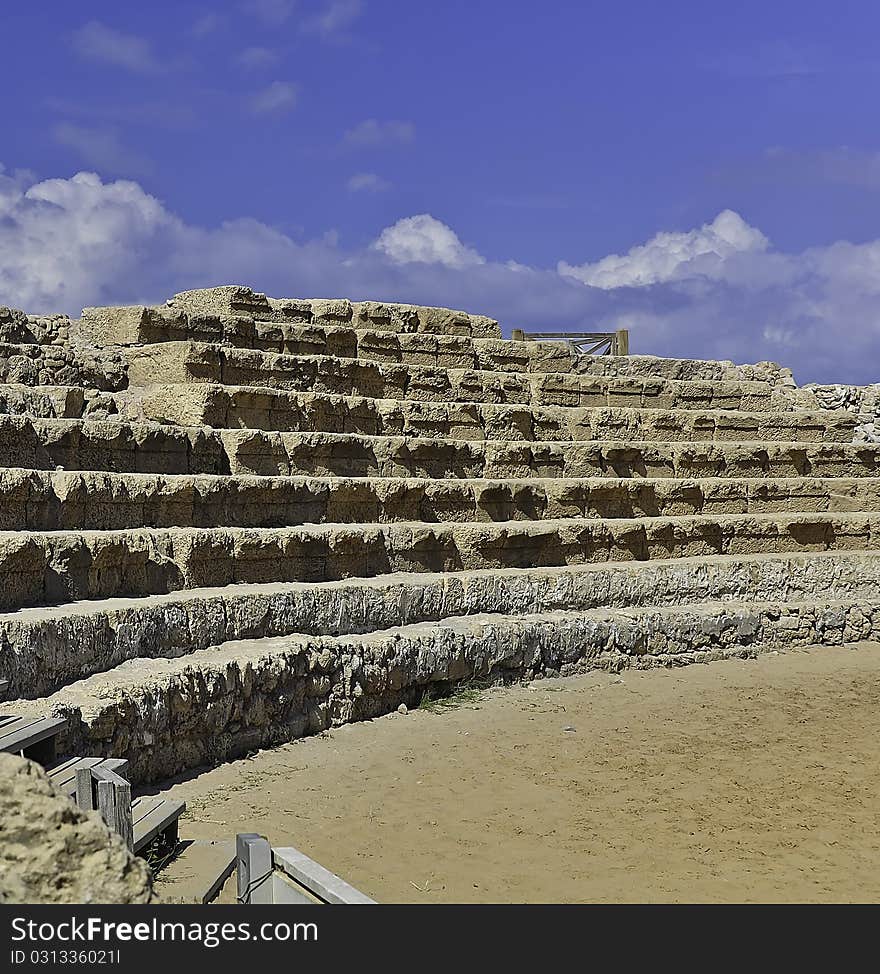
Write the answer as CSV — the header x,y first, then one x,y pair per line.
x,y
753,781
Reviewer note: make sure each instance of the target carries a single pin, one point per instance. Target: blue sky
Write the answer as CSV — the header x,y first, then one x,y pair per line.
x,y
706,174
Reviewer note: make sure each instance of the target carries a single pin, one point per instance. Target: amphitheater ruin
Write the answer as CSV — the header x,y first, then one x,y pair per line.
x,y
230,520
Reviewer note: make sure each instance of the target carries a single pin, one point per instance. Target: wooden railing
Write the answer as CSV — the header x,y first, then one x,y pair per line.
x,y
583,342
107,791
272,875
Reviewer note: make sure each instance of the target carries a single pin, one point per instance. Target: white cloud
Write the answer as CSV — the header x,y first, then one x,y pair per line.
x,y
100,147
334,19
424,240
672,256
253,58
373,132
61,239
273,13
367,182
280,96
67,243
98,42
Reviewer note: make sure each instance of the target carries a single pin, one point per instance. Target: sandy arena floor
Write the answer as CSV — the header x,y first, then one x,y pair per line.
x,y
739,781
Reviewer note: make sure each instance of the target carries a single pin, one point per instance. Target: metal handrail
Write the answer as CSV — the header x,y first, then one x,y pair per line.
x,y
582,342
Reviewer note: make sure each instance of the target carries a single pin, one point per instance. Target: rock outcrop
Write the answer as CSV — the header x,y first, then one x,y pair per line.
x,y
51,852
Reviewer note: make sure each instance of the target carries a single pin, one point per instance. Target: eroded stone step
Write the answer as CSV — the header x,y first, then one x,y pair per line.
x,y
268,409
156,325
77,444
69,444
67,500
331,454
41,568
193,362
169,715
285,411
46,648
243,318
231,310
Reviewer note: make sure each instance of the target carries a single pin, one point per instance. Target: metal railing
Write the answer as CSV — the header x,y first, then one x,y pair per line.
x,y
582,342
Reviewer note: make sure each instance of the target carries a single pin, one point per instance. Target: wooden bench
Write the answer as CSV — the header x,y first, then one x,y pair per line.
x,y
32,737
97,784
153,817
63,773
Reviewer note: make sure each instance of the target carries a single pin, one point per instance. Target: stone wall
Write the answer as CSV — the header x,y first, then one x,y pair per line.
x,y
52,852
169,716
862,401
24,329
229,313
42,650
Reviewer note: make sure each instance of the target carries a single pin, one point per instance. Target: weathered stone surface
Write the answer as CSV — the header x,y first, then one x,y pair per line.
x,y
218,703
43,649
255,407
18,328
66,500
189,309
64,365
144,447
51,852
42,568
187,362
863,402
255,517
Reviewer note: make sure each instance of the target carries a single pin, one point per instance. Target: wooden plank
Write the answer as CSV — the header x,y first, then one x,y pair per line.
x,y
63,774
119,765
123,824
325,885
254,856
64,777
17,738
11,724
7,719
199,872
58,770
103,773
85,795
223,870
107,803
142,807
162,817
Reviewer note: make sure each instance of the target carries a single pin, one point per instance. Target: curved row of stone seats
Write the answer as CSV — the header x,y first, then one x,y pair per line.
x,y
192,362
237,316
46,648
269,409
224,306
156,325
330,454
47,444
230,407
350,479
215,704
43,568
99,501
